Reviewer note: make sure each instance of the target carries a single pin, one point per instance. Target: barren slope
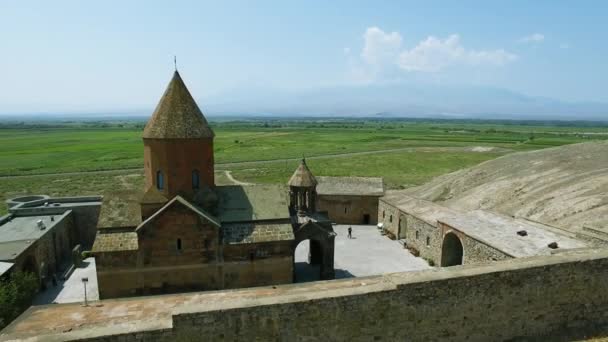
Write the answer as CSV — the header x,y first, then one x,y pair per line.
x,y
565,186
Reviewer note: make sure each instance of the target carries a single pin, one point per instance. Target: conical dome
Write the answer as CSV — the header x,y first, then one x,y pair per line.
x,y
177,115
302,177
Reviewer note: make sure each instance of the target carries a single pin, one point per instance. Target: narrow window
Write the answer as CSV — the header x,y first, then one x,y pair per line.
x,y
383,214
179,244
160,181
417,235
196,180
390,219
428,241
345,210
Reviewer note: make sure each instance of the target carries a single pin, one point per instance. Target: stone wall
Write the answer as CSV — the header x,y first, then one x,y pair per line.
x,y
52,250
422,236
539,298
126,282
349,209
389,216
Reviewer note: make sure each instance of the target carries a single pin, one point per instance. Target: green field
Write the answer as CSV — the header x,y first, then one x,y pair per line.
x,y
404,152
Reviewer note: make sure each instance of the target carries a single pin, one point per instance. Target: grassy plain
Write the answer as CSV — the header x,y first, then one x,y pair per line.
x,y
404,152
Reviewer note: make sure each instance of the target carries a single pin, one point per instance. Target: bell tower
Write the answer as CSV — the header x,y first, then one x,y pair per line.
x,y
178,145
302,190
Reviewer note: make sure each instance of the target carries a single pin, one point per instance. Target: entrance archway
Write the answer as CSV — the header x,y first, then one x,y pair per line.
x,y
451,250
308,256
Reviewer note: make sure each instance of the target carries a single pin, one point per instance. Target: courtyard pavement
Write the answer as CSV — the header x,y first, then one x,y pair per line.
x,y
367,253
72,289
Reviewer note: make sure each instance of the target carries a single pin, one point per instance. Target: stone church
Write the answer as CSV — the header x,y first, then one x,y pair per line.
x,y
195,235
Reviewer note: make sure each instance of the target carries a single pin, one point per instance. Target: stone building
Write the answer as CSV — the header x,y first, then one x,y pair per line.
x,y
350,200
447,237
194,235
39,233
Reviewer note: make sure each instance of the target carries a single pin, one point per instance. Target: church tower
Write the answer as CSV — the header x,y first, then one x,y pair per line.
x,y
302,190
178,146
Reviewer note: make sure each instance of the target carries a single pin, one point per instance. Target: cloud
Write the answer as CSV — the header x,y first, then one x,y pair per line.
x,y
564,46
434,54
383,54
380,47
532,38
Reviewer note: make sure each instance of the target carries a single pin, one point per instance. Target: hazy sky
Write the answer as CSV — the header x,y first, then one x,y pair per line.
x,y
118,55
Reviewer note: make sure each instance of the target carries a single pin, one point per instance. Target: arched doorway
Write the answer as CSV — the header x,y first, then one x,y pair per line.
x,y
307,259
451,251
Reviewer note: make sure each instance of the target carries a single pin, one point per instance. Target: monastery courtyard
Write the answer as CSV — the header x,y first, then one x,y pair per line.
x,y
367,253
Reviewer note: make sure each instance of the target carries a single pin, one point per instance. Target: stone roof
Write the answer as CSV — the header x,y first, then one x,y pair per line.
x,y
362,186
252,202
254,232
177,115
115,242
153,196
302,177
185,203
426,211
121,209
500,232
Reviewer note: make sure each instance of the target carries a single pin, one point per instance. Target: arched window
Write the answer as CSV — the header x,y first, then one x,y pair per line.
x,y
179,244
160,180
196,180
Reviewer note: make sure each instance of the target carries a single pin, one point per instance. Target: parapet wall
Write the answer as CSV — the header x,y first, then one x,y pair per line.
x,y
540,298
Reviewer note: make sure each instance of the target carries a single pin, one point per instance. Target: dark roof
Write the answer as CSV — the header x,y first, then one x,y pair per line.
x,y
254,232
177,115
359,186
252,202
115,242
302,177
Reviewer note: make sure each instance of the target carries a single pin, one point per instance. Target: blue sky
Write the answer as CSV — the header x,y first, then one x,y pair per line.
x,y
83,56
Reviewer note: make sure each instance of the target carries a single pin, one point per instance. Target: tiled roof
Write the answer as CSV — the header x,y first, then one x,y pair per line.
x,y
252,202
114,242
365,186
177,115
253,232
302,177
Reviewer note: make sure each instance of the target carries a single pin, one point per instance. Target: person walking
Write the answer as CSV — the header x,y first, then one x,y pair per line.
x,y
350,232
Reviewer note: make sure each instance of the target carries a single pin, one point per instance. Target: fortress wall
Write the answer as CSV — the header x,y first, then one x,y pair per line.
x,y
541,297
558,297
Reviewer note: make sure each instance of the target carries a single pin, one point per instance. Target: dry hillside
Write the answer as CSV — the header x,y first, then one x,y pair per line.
x,y
565,186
